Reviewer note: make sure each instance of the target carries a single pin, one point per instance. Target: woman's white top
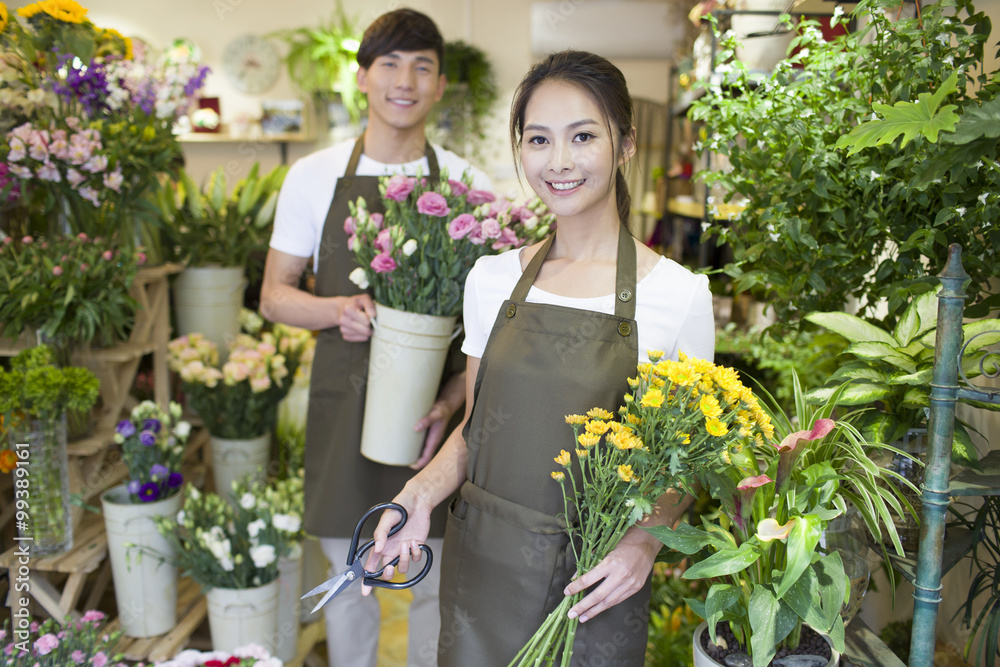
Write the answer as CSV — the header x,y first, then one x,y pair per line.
x,y
673,307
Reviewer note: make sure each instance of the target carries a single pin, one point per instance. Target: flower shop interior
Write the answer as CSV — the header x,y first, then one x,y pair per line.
x,y
818,160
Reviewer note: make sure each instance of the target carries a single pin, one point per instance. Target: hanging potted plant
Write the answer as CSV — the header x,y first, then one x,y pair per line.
x,y
213,232
460,116
152,441
34,397
238,401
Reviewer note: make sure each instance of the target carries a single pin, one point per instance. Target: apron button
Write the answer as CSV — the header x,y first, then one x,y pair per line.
x,y
625,295
511,309
625,329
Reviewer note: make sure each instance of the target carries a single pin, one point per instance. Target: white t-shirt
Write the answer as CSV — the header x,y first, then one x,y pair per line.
x,y
308,189
673,306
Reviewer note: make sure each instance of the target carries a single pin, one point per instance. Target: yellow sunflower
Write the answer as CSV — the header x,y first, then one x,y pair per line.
x,y
67,11
4,16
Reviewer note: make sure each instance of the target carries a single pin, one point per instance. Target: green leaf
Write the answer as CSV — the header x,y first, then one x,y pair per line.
x,y
963,451
720,598
763,613
852,328
909,119
832,587
724,562
804,599
856,393
978,122
877,351
988,332
800,545
685,538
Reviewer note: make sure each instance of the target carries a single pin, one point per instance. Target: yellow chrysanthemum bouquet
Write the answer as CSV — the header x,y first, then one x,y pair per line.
x,y
682,419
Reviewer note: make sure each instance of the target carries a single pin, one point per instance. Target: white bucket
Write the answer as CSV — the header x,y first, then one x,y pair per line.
x,y
145,588
235,459
207,300
237,617
765,51
408,354
286,641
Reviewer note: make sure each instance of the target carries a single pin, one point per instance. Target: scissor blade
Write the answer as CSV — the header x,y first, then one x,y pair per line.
x,y
337,584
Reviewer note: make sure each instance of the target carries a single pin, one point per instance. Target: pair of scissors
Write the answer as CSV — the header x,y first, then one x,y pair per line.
x,y
356,562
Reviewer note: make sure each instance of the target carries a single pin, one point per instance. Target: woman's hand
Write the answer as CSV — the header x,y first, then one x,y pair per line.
x,y
405,544
624,571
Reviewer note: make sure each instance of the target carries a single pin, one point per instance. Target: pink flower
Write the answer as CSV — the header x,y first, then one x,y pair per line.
x,y
376,220
17,151
352,243
27,240
49,172
22,132
477,197
140,258
491,228
114,180
82,236
461,226
350,225
476,235
399,187
383,242
84,267
90,194
77,657
46,643
99,660
507,238
458,188
96,164
431,203
7,240
107,255
383,263
57,270
260,384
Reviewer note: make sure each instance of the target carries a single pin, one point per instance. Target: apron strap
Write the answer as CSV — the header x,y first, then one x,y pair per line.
x,y
624,278
359,147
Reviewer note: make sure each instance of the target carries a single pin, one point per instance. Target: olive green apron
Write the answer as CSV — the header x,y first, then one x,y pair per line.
x,y
340,484
506,556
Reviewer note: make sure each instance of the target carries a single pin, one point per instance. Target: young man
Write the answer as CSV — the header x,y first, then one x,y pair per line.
x,y
400,71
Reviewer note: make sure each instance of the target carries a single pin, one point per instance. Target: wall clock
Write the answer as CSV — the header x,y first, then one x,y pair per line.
x,y
251,63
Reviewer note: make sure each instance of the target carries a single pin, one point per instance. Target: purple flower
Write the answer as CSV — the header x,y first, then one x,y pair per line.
x,y
159,471
151,425
134,486
196,81
125,428
147,438
149,492
175,480
478,197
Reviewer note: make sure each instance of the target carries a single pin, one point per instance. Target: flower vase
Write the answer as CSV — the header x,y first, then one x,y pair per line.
x,y
145,586
207,300
764,41
848,536
237,617
40,446
286,642
703,659
408,354
235,459
914,444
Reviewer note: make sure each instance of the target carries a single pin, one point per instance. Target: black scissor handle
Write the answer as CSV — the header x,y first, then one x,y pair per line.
x,y
354,553
375,578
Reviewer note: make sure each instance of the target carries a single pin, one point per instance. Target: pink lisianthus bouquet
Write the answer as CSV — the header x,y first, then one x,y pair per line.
x,y
83,642
240,399
416,256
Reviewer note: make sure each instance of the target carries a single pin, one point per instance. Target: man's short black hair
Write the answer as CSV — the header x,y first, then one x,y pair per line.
x,y
400,30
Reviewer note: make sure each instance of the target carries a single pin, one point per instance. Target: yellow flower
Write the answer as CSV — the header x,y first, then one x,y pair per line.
x,y
682,374
626,474
645,369
575,420
716,427
563,458
633,382
657,381
629,398
599,413
709,406
558,476
685,438
597,427
67,11
653,398
725,457
4,16
589,439
746,431
627,441
727,378
634,420
583,453
655,355
764,422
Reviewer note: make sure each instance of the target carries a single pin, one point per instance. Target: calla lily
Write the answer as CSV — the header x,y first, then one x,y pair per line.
x,y
744,500
788,449
770,529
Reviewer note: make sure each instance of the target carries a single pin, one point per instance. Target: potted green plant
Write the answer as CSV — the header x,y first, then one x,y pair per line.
x,y
765,551
34,397
821,225
152,441
472,91
213,232
322,61
985,568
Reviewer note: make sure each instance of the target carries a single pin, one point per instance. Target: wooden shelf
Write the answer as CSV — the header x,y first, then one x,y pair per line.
x,y
191,611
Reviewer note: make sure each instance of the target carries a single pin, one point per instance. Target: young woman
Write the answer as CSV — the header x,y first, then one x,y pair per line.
x,y
551,330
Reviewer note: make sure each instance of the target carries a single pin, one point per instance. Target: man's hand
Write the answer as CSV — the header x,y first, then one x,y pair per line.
x,y
356,313
436,421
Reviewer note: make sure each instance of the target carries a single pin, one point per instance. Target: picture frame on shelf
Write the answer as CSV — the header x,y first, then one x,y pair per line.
x,y
282,117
